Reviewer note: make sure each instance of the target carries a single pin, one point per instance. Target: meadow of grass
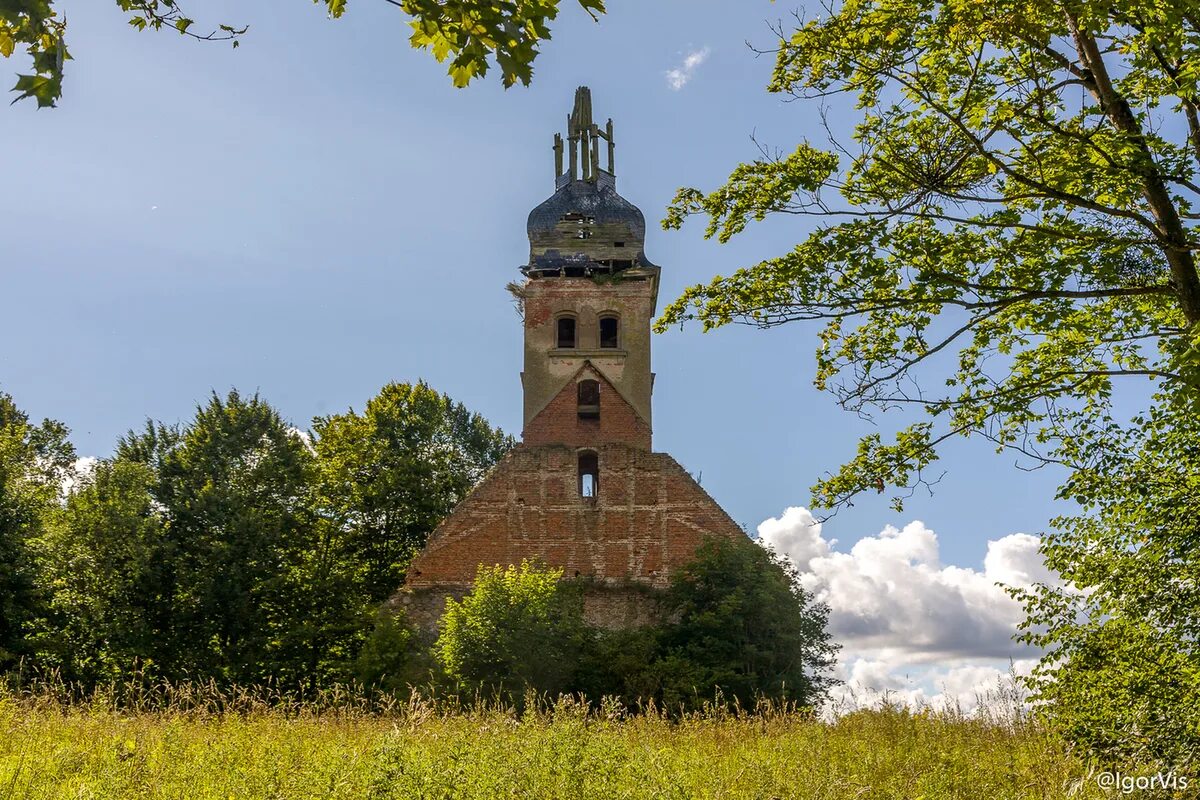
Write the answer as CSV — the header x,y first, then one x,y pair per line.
x,y
195,747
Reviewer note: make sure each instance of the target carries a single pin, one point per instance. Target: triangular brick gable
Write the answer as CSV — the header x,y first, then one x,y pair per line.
x,y
559,422
646,522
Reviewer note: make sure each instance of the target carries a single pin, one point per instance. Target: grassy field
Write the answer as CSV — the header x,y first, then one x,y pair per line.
x,y
50,749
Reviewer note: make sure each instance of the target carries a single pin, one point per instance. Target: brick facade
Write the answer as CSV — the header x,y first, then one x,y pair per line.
x,y
559,423
629,297
646,516
647,519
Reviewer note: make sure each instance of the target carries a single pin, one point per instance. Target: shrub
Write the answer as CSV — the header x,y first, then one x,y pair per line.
x,y
743,626
392,658
520,629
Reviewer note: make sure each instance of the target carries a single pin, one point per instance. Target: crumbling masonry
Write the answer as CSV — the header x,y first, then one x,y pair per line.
x,y
583,491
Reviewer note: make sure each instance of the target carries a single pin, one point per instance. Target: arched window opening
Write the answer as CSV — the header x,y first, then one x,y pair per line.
x,y
589,399
589,474
566,332
608,331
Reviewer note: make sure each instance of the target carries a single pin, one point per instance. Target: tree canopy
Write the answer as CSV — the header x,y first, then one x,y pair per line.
x,y
468,33
233,548
735,627
519,629
742,624
34,459
1009,231
1005,245
390,474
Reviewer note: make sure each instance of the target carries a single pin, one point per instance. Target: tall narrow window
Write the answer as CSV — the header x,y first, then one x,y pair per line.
x,y
608,331
566,332
589,399
589,474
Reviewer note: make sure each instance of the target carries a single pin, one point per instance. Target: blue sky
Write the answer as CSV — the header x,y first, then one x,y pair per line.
x,y
320,212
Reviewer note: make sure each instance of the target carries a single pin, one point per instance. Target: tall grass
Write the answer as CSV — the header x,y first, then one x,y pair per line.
x,y
197,741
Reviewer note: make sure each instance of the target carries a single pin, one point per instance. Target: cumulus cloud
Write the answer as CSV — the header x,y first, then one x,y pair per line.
x,y
910,626
868,683
78,474
679,77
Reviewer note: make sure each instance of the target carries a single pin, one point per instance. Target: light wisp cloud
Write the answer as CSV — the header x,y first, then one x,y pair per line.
x,y
681,75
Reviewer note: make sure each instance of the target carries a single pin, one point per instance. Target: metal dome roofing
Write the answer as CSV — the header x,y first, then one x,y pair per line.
x,y
585,226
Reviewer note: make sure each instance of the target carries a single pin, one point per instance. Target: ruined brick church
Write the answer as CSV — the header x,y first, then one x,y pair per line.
x,y
583,490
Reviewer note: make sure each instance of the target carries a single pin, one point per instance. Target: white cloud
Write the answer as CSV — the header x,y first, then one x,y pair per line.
x,y
914,628
678,77
79,473
965,686
304,436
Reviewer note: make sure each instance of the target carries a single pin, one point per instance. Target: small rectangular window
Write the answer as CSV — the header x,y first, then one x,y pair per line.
x,y
589,399
566,332
608,331
589,474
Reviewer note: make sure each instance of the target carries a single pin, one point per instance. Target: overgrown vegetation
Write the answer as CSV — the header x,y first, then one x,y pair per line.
x,y
1004,247
209,745
735,628
468,33
519,629
239,551
234,548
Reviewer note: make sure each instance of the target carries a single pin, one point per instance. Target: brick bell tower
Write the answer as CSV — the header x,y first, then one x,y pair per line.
x,y
589,297
583,491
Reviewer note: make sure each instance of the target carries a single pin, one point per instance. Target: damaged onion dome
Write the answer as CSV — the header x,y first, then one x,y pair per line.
x,y
585,228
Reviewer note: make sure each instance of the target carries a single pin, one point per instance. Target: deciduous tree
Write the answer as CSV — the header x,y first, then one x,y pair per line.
x,y
1010,232
34,459
468,33
1121,672
107,569
390,474
520,628
256,584
740,623
1006,245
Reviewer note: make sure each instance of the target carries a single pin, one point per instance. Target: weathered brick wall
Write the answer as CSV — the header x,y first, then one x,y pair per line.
x,y
631,297
648,518
559,422
612,606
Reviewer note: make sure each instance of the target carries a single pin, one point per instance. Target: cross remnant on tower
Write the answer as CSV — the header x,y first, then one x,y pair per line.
x,y
584,491
583,138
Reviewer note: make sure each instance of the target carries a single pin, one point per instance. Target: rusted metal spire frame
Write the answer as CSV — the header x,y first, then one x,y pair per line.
x,y
573,141
608,130
595,159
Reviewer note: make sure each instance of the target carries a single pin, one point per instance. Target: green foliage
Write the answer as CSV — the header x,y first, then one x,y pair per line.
x,y
624,665
33,462
1122,668
519,629
392,658
199,552
742,623
1008,250
392,473
56,752
468,32
240,532
1015,231
473,30
106,564
738,629
230,549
